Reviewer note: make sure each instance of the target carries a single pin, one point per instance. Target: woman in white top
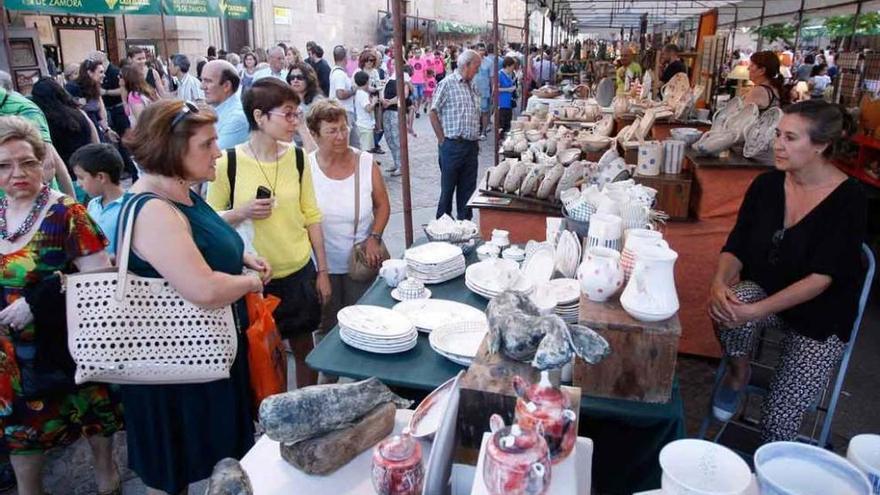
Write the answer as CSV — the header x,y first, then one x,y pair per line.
x,y
335,165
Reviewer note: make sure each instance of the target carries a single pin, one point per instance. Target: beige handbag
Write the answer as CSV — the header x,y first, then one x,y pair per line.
x,y
359,269
124,328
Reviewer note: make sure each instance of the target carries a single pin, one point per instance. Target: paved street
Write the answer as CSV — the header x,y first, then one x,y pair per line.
x,y
70,472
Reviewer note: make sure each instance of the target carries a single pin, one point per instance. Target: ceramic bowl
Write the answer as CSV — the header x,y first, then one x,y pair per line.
x,y
487,251
714,142
864,453
533,135
792,468
689,135
411,289
698,467
595,143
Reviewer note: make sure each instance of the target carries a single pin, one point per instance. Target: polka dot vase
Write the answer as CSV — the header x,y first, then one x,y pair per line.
x,y
600,274
650,158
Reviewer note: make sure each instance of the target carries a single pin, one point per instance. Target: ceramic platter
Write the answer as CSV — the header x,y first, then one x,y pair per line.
x,y
566,291
459,342
429,314
427,417
676,88
760,135
568,254
376,348
434,262
432,253
493,276
374,321
538,266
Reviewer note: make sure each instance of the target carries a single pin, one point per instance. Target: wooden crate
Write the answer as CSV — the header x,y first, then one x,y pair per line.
x,y
673,192
487,389
641,365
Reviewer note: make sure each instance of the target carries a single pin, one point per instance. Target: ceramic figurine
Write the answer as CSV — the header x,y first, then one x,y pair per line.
x,y
397,466
544,404
517,460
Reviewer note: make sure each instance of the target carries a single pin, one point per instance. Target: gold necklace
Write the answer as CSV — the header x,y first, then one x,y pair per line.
x,y
272,187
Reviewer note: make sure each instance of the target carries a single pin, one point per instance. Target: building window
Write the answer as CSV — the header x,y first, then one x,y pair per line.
x,y
320,6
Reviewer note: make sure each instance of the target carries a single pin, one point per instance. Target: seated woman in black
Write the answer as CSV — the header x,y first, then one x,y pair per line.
x,y
792,262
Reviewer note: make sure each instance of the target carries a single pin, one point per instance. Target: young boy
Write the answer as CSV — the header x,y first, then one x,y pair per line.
x,y
430,86
97,168
364,104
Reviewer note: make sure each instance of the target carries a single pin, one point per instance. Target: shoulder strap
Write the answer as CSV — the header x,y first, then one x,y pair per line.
x,y
124,234
231,164
357,196
300,162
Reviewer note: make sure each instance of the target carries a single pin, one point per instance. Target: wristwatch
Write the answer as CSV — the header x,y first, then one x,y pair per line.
x,y
377,236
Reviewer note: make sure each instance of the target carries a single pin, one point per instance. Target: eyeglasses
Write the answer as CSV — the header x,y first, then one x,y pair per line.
x,y
188,108
337,132
26,165
297,77
289,116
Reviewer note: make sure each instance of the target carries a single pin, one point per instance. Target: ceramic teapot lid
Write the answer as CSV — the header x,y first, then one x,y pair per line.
x,y
402,450
514,442
541,395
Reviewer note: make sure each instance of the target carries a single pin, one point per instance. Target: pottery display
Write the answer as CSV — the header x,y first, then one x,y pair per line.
x,y
397,466
594,144
620,105
547,92
608,173
740,121
650,158
515,176
673,156
549,182
761,135
533,135
600,274
689,135
517,460
532,180
863,452
714,142
570,176
605,92
497,174
568,156
676,87
650,294
635,239
604,126
719,120
784,468
542,403
700,467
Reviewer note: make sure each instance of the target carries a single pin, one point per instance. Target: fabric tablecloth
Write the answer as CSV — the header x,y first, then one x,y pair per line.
x,y
627,435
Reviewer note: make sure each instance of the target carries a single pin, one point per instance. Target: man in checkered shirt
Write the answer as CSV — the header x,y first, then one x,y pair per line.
x,y
455,117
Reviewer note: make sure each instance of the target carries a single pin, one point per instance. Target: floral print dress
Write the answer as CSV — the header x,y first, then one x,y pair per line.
x,y
32,426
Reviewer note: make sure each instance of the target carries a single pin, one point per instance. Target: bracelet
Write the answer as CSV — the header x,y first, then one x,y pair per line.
x,y
377,236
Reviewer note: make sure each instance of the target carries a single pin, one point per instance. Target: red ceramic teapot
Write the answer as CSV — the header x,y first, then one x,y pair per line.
x,y
397,466
545,405
517,460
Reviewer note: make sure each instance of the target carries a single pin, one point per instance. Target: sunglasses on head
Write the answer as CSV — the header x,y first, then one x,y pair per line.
x,y
188,108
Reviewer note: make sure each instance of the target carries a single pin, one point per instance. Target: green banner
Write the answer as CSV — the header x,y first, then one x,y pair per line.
x,y
233,9
104,7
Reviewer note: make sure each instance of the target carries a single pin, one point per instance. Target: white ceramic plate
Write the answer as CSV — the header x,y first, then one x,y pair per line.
x,y
429,314
498,275
374,321
461,339
395,293
432,253
538,268
566,291
355,337
380,350
427,417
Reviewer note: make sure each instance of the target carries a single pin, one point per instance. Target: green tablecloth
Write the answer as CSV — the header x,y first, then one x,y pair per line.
x,y
627,435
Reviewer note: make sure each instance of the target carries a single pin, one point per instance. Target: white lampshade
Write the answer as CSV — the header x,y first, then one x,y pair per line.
x,y
739,72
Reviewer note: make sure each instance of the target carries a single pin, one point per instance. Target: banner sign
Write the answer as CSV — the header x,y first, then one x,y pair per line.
x,y
231,9
90,7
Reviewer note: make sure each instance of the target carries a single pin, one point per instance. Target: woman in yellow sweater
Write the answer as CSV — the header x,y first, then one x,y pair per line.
x,y
271,193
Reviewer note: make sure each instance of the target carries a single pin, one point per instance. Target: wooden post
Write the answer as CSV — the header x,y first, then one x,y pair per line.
x,y
852,37
760,25
495,95
527,71
164,36
401,121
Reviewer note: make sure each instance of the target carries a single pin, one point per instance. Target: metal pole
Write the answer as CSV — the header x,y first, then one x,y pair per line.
x,y
527,71
852,37
543,28
760,25
4,31
401,121
797,34
495,95
164,36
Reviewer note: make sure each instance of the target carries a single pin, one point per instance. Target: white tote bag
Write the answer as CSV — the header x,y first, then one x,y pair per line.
x,y
123,328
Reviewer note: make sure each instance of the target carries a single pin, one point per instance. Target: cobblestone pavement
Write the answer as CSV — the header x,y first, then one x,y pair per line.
x,y
69,471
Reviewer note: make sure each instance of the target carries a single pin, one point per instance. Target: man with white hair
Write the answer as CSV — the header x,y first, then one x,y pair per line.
x,y
277,65
455,117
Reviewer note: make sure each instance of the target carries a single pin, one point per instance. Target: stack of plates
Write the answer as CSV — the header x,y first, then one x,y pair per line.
x,y
376,329
434,262
459,342
567,293
430,314
493,276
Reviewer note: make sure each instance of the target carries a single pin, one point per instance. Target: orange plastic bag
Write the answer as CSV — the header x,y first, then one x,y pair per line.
x,y
266,355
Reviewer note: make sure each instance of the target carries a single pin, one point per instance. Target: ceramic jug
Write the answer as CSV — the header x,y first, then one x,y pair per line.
x,y
650,294
600,274
517,460
397,466
650,158
545,404
635,239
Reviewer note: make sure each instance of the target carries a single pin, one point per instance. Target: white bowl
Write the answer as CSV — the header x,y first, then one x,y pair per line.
x,y
864,453
595,143
689,135
792,468
698,467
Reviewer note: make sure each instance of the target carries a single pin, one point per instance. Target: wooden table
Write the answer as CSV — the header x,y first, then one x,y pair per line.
x,y
524,220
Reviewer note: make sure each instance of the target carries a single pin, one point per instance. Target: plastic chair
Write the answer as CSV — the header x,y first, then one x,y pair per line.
x,y
826,404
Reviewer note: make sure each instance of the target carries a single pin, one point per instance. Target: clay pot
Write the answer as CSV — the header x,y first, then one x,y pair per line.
x,y
544,404
397,466
600,274
517,460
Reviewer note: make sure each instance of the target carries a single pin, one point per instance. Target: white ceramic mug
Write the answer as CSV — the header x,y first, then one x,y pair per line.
x,y
500,238
393,271
605,231
650,158
864,453
673,152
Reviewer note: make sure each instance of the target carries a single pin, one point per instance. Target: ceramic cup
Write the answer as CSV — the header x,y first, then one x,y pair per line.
x,y
605,231
411,288
673,152
650,158
393,271
864,453
500,238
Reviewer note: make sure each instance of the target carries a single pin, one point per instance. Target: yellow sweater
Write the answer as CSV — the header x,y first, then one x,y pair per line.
x,y
282,238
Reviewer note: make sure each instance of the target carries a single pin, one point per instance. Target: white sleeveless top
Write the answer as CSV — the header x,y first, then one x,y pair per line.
x,y
336,201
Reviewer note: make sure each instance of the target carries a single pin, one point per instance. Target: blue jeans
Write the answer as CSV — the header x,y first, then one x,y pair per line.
x,y
458,175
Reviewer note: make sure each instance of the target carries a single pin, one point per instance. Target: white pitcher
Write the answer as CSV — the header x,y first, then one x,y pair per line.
x,y
635,240
650,294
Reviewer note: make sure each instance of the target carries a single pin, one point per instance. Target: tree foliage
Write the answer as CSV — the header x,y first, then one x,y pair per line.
x,y
784,32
